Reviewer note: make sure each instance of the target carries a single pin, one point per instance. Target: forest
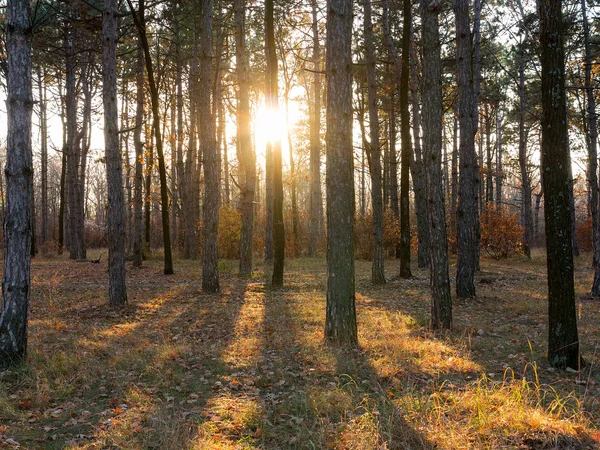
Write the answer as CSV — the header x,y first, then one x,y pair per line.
x,y
300,224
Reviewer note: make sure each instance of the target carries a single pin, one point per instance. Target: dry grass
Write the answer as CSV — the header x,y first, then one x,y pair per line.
x,y
248,368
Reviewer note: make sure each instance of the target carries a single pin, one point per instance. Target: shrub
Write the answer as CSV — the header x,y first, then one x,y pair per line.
x,y
363,234
584,236
230,221
501,234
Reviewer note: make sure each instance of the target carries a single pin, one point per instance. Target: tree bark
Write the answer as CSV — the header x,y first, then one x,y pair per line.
x,y
139,159
73,153
340,320
592,138
212,191
316,197
406,154
19,185
499,174
377,270
525,182
563,340
44,160
114,172
140,23
273,92
468,190
247,158
441,302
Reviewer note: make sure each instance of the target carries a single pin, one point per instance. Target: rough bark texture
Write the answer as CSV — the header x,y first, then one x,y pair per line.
x,y
499,174
406,154
247,158
441,302
391,131
114,173
525,182
212,192
73,181
416,165
489,179
563,341
44,159
19,185
377,270
164,195
340,321
592,137
190,191
273,93
468,190
139,160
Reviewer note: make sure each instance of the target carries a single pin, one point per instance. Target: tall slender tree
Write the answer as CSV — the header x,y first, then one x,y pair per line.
x,y
316,197
374,150
441,303
563,340
468,190
114,172
19,184
138,180
340,320
246,153
210,153
273,93
140,23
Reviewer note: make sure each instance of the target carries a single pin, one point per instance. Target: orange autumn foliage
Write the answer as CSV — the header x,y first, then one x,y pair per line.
x,y
501,233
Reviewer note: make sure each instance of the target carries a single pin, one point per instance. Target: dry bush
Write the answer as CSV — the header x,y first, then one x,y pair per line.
x,y
501,233
230,221
363,234
584,236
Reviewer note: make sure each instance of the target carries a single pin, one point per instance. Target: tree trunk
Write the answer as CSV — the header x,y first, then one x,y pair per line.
x,y
44,160
114,175
73,152
190,189
563,340
316,197
394,201
525,182
489,179
405,271
416,164
294,196
148,181
247,158
454,181
441,302
19,184
139,158
377,270
340,321
140,23
210,152
499,174
273,92
468,190
418,176
592,152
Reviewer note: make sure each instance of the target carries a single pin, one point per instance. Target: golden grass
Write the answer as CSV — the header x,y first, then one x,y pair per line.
x,y
248,368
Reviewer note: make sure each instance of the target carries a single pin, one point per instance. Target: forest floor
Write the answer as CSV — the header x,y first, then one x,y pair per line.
x,y
248,368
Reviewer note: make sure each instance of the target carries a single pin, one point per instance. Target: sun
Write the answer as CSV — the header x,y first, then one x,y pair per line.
x,y
270,125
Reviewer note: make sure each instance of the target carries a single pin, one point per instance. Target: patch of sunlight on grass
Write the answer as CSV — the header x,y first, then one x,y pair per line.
x,y
230,422
490,414
246,343
394,347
